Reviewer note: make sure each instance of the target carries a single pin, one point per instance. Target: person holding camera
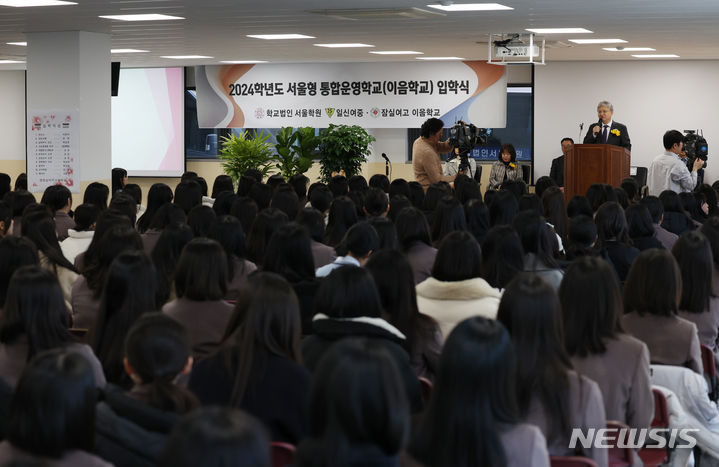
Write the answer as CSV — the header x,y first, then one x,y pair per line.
x,y
668,171
426,149
505,168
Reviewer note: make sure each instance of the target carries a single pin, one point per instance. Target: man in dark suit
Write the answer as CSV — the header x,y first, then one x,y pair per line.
x,y
607,131
556,173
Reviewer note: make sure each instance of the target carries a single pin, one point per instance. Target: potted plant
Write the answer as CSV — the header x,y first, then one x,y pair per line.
x,y
242,152
343,148
295,148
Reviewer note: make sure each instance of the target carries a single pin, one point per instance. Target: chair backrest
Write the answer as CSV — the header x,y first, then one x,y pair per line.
x,y
427,387
478,174
641,176
708,361
283,454
574,461
661,413
526,172
619,457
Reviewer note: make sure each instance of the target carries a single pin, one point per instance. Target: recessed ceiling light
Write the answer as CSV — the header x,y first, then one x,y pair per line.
x,y
240,62
343,46
127,51
26,3
21,44
3,62
145,17
560,31
271,37
470,7
598,41
440,58
629,49
396,52
656,56
185,57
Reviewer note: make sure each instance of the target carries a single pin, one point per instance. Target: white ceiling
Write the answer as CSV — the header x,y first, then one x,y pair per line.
x,y
219,27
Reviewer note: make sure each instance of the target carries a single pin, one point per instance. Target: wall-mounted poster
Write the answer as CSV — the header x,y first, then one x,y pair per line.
x,y
372,95
53,155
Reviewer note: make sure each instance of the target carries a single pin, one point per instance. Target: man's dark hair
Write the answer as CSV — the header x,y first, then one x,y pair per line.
x,y
361,238
566,139
655,206
430,127
671,138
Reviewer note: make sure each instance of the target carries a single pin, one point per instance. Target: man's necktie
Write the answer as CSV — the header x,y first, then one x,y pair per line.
x,y
605,134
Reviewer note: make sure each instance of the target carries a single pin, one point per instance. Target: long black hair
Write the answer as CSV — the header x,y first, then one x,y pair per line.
x,y
473,399
158,195
39,226
165,256
289,254
694,257
502,256
15,252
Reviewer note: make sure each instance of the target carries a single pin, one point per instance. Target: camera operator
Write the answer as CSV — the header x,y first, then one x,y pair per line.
x,y
425,154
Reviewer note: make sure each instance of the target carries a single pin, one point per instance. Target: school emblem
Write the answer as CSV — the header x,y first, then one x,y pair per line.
x,y
330,111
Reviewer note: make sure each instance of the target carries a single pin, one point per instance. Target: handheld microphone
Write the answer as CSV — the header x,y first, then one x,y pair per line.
x,y
581,127
384,156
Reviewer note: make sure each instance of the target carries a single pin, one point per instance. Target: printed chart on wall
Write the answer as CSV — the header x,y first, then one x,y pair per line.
x,y
373,95
53,155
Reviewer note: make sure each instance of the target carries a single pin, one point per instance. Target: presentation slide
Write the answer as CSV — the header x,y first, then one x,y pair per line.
x,y
148,122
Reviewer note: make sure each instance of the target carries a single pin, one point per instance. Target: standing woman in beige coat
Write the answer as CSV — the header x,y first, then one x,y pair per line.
x,y
425,154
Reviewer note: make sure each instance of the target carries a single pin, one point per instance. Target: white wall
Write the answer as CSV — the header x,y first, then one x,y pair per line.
x,y
649,97
12,117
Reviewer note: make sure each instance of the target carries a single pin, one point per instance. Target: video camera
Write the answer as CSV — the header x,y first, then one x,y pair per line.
x,y
465,137
695,147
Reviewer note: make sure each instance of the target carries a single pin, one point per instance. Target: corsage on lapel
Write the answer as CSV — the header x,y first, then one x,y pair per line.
x,y
513,166
615,132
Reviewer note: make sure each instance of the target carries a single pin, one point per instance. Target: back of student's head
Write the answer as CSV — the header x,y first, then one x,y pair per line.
x,y
621,197
125,204
130,290
96,193
361,239
357,183
200,220
38,226
581,238
591,306
52,410
631,188
386,233
134,191
412,227
157,350
5,218
289,253
542,184
639,221
56,197
671,201
286,200
168,214
471,399
115,241
217,437
517,187
228,232
85,217
106,220
533,232
188,194
118,176
338,186
4,184
448,217
694,258
503,208
261,194
434,193
245,184
416,194
35,308
710,229
357,400
611,223
313,221
502,256
399,186
375,202
654,284
342,216
158,195
396,204
348,292
265,224
165,256
380,181
598,194
223,203
222,183
579,206
555,210
531,202
20,200
299,182
21,182
15,252
655,206
320,197
459,258
201,273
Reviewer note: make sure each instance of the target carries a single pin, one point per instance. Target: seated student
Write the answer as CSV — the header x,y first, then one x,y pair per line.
x,y
19,200
79,238
395,283
415,242
105,221
15,252
267,221
168,214
5,219
188,194
551,395
652,295
165,256
582,237
313,221
35,319
228,232
217,436
342,215
289,254
710,229
448,217
376,203
52,413
200,218
88,289
96,193
640,228
472,418
59,199
676,219
201,285
159,195
39,227
130,290
537,243
613,238
132,426
599,347
348,305
502,256
456,289
134,191
259,366
358,410
698,303
656,210
285,199
386,233
360,241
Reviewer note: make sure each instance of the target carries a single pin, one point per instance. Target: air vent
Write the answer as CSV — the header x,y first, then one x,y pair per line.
x,y
355,14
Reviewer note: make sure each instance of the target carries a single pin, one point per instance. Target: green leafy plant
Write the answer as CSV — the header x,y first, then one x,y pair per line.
x,y
295,148
242,152
343,147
